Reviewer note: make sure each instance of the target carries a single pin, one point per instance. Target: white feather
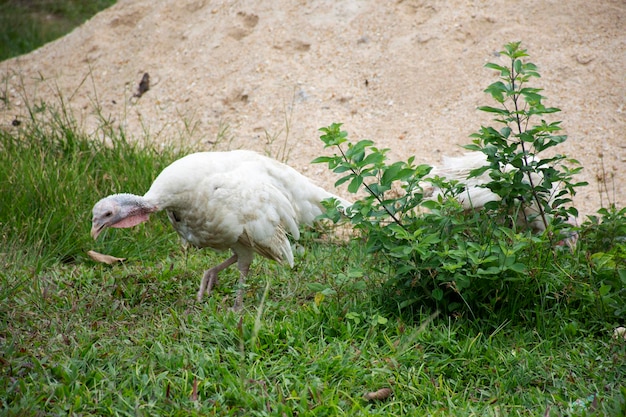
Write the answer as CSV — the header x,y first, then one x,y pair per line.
x,y
475,195
219,196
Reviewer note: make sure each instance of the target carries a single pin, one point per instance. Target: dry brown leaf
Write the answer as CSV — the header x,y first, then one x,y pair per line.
x,y
380,395
106,259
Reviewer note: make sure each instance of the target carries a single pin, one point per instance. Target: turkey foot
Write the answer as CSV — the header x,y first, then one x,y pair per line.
x,y
209,280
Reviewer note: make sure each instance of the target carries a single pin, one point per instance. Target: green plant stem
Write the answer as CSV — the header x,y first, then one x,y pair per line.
x,y
525,155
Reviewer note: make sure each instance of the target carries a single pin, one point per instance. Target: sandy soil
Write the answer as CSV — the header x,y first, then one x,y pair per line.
x,y
266,74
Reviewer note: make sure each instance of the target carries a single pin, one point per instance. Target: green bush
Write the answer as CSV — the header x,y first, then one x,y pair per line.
x,y
536,186
479,263
444,258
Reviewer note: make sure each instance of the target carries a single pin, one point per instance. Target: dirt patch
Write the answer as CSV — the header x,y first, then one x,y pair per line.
x,y
265,75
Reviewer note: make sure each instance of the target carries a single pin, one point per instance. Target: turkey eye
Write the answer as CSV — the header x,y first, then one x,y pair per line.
x,y
108,214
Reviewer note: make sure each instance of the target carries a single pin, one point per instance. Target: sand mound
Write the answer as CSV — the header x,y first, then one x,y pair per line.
x,y
265,75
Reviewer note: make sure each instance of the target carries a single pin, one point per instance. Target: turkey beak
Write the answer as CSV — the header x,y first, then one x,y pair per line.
x,y
96,229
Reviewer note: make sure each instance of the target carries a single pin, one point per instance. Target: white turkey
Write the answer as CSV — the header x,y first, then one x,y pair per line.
x,y
475,195
237,200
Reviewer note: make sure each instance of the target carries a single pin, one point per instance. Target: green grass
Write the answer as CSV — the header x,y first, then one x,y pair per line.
x,y
82,338
28,24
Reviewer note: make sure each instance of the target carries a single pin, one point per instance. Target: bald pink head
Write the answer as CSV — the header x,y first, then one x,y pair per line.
x,y
120,210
